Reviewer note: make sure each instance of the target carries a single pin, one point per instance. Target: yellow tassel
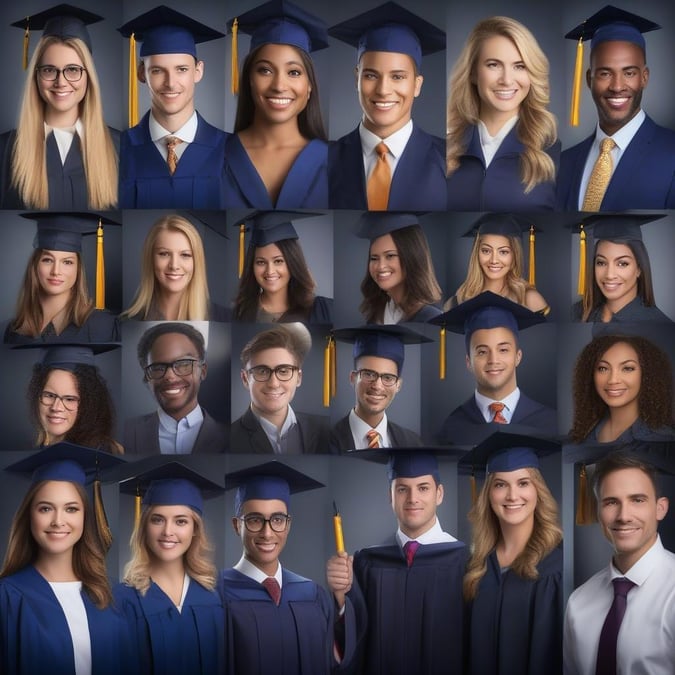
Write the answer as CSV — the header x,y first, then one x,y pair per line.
x,y
26,43
576,84
333,368
104,533
133,83
100,268
235,57
474,491
326,374
137,508
442,360
581,285
242,241
531,270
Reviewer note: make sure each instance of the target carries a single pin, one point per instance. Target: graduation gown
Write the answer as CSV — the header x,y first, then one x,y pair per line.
x,y
473,187
305,186
341,439
635,310
321,312
295,638
34,634
515,623
418,183
100,326
145,181
415,615
644,178
166,641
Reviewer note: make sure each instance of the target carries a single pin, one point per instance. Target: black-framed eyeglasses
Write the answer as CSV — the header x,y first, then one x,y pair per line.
x,y
283,373
71,73
49,398
255,522
182,367
370,376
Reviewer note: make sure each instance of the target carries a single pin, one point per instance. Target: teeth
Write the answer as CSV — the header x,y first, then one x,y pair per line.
x,y
385,105
280,101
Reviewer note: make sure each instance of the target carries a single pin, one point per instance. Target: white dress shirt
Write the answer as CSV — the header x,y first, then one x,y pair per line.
x,y
434,535
64,137
359,429
490,144
510,402
396,144
178,437
186,133
69,595
248,569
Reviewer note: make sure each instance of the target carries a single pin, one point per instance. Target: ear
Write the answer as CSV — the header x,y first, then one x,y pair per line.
x,y
419,80
645,77
204,368
468,363
140,72
244,378
588,78
352,377
236,524
519,356
399,382
662,504
356,76
439,495
199,71
299,378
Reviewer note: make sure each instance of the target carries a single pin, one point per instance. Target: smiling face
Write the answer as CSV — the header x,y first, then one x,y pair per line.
x,y
493,359
270,269
513,498
495,257
384,266
616,273
414,501
387,87
173,261
55,418
618,378
169,532
373,398
57,272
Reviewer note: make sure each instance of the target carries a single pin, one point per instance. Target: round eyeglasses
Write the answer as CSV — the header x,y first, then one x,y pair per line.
x,y
182,367
49,398
254,522
283,373
370,376
71,73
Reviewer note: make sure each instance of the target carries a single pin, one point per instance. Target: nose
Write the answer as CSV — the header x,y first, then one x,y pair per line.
x,y
58,404
505,75
617,82
279,81
173,261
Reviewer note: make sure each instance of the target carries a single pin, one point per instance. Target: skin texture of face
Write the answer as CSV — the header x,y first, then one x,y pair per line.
x,y
617,77
176,394
171,79
513,498
493,359
414,501
501,78
54,418
384,266
57,272
279,84
62,98
173,261
629,512
262,548
169,532
387,88
618,377
57,518
373,398
616,273
270,269
495,257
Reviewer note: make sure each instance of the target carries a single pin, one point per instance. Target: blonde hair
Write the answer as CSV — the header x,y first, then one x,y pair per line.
x,y
29,157
197,560
194,302
486,533
536,127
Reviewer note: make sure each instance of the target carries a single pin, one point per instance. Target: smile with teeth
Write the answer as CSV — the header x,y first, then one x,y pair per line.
x,y
279,101
617,101
505,94
167,543
615,392
384,105
173,391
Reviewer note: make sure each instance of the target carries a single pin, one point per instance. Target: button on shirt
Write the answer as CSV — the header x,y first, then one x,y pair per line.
x,y
510,402
396,144
359,429
177,437
186,134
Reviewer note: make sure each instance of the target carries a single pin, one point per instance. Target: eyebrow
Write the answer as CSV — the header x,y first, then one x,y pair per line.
x,y
48,503
641,495
621,363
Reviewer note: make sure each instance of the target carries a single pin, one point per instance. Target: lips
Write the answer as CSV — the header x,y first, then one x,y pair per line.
x,y
384,105
282,102
614,393
505,94
617,102
173,390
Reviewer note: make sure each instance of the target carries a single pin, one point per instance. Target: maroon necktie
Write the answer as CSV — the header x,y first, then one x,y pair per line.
x,y
272,587
410,548
606,663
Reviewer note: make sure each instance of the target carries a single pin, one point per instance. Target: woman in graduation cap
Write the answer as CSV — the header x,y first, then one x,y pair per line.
x,y
513,580
175,616
502,146
277,155
56,613
62,155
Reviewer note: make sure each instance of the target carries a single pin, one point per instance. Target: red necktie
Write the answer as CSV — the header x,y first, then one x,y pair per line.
x,y
606,663
410,548
172,157
373,438
379,181
497,408
272,587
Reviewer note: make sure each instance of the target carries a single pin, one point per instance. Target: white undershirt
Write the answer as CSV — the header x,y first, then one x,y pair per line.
x,y
64,137
396,144
490,144
186,134
69,595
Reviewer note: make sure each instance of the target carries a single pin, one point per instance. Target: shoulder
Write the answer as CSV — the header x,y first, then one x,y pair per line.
x,y
425,313
535,301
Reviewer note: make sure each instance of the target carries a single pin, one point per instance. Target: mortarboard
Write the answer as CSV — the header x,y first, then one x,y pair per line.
x,y
390,28
213,219
608,24
271,480
374,224
68,356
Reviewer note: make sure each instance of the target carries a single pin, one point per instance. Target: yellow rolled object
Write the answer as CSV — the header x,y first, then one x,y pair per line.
x,y
235,57
133,83
100,268
442,359
531,266
581,285
576,84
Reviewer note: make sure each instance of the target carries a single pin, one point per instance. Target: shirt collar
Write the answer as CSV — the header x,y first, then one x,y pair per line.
x,y
193,418
186,133
510,401
434,535
271,429
624,135
396,142
639,572
485,137
248,569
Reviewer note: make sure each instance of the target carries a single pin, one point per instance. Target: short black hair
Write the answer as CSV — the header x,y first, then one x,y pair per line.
x,y
618,460
148,338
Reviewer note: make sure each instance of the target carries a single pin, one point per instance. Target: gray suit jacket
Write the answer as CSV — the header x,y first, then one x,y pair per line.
x,y
342,441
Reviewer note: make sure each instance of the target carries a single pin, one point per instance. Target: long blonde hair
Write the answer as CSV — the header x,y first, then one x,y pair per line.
x,y
486,533
536,126
197,560
194,302
29,160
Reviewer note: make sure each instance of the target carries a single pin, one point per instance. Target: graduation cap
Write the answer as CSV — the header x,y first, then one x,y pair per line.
x,y
608,24
62,21
215,220
374,224
271,480
390,28
68,356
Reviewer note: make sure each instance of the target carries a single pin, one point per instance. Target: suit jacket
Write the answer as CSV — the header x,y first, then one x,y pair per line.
x,y
341,439
466,424
418,183
141,435
644,178
248,435
145,181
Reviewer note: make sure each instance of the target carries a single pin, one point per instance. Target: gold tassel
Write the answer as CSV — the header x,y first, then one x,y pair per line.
x,y
26,43
474,491
333,368
531,270
133,83
581,285
242,241
104,533
235,58
576,84
585,514
326,372
100,268
137,508
442,360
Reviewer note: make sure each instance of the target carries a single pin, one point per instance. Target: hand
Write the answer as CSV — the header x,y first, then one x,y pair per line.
x,y
339,575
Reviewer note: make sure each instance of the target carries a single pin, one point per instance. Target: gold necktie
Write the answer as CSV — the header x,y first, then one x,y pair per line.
x,y
373,439
379,182
599,179
172,157
497,408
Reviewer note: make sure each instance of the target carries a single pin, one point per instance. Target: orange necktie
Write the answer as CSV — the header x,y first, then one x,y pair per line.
x,y
172,157
379,182
497,408
373,439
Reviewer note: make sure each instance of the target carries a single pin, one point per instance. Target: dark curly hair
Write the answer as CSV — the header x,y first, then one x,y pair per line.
x,y
95,419
655,399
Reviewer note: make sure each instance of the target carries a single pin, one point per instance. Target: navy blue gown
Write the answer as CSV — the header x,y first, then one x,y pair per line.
x,y
100,326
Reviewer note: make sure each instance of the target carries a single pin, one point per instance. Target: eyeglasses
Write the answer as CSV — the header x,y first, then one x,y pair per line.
x,y
49,398
70,73
182,367
254,522
370,376
283,373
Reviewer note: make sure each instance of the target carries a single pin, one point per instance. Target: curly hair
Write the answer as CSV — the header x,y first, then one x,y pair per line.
x,y
421,286
197,559
29,316
301,284
95,419
88,555
655,398
310,121
29,156
536,126
486,533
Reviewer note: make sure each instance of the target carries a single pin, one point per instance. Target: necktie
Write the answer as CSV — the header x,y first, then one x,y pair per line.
x,y
272,587
172,157
599,179
410,548
379,182
373,438
606,663
497,408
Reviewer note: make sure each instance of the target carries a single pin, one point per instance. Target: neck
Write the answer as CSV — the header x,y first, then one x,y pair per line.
x,y
371,419
277,418
262,133
416,534
623,562
184,411
171,571
275,302
614,306
61,120
172,123
383,132
513,541
56,567
168,305
619,420
494,121
52,306
501,393
270,568
497,286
